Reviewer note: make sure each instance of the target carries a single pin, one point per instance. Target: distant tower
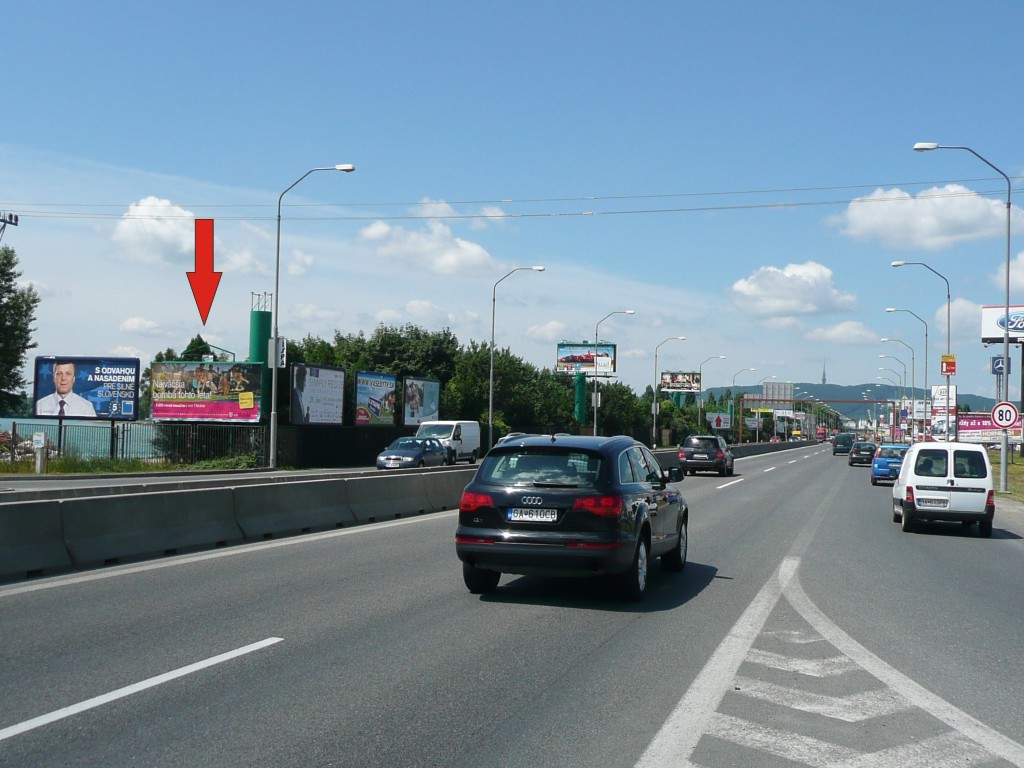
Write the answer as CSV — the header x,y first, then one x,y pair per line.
x,y
823,381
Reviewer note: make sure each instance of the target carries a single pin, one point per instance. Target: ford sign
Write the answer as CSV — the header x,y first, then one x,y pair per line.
x,y
1015,324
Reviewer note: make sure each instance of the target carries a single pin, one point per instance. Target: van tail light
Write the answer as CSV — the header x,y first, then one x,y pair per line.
x,y
991,500
471,502
602,506
910,494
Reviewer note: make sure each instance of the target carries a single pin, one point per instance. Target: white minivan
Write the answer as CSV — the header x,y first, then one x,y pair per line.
x,y
945,481
461,439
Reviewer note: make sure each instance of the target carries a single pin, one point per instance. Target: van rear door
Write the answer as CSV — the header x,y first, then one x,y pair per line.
x,y
929,479
970,481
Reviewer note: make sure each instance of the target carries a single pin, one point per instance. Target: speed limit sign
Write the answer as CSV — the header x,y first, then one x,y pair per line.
x,y
1004,415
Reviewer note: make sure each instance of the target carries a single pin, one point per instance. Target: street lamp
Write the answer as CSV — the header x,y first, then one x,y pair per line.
x,y
490,390
596,326
949,419
741,370
274,353
928,146
657,381
700,378
913,368
927,392
757,429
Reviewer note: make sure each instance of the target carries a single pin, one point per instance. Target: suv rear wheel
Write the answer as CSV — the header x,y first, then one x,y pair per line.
x,y
634,580
478,581
676,559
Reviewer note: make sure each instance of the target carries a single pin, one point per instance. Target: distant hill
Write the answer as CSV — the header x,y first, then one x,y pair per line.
x,y
856,407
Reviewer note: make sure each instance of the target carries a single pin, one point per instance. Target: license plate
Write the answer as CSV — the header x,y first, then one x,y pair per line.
x,y
931,502
700,455
524,515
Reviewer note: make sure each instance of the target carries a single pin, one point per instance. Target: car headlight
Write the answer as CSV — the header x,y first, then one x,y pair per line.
x,y
408,459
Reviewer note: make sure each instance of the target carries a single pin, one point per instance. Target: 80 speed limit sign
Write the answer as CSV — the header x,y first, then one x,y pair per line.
x,y
1005,415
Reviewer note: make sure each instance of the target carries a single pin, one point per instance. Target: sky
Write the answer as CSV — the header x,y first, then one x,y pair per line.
x,y
741,174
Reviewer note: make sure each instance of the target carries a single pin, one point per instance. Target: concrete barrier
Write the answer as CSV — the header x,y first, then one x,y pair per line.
x,y
262,511
100,529
31,539
387,497
444,489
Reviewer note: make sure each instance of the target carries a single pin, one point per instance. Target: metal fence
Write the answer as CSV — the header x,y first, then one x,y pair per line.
x,y
177,443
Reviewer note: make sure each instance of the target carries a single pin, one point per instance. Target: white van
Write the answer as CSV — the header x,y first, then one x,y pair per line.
x,y
945,481
460,438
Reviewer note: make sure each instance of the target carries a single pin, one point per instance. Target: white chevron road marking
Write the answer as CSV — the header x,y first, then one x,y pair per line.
x,y
948,750
836,665
850,709
796,636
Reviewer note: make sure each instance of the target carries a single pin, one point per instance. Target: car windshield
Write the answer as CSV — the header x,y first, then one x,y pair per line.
x,y
406,444
551,469
434,430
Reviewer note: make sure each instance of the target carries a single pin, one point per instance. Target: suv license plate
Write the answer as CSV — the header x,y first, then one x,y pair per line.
x,y
524,515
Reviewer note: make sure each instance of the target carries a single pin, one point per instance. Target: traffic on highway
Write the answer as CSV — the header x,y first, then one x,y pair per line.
x,y
804,629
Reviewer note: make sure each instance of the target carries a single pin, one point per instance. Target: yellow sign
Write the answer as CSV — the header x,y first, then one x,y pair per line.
x,y
948,365
246,400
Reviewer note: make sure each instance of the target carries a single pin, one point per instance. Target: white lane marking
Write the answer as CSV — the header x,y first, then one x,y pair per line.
x,y
128,690
796,636
677,738
794,461
769,469
732,482
851,709
835,665
948,750
918,695
241,549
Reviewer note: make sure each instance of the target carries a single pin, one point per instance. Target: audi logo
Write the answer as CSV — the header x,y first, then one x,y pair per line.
x,y
532,501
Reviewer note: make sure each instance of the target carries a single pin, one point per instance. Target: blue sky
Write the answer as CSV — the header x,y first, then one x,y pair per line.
x,y
741,174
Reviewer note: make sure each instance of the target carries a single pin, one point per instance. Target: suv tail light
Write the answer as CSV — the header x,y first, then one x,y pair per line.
x,y
604,506
471,502
719,454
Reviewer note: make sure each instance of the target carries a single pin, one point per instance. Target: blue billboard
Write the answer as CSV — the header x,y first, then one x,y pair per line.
x,y
97,388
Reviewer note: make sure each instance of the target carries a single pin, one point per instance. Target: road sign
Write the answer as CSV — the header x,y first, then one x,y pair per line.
x,y
1005,415
948,365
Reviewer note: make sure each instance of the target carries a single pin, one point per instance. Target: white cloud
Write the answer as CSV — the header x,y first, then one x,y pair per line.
x,y
312,312
300,263
849,332
798,289
552,330
388,317
1016,274
434,209
242,261
141,326
490,215
434,247
964,316
937,218
635,352
158,232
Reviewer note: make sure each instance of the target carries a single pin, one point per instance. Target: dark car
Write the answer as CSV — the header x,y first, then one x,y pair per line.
x,y
571,506
706,453
887,462
412,452
843,442
861,452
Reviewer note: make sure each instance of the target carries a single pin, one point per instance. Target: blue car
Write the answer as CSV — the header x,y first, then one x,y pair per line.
x,y
887,462
411,452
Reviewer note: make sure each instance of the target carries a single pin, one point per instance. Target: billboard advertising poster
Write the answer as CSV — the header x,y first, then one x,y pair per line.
x,y
680,381
104,388
979,428
573,357
994,325
421,401
206,391
375,399
318,394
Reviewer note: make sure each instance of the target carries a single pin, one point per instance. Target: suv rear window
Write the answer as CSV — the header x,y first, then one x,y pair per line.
x,y
701,443
556,469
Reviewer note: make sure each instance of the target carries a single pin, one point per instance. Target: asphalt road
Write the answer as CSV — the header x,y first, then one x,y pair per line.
x,y
807,629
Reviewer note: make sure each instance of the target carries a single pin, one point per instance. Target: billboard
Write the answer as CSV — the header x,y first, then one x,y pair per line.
x,y
680,381
578,357
86,388
978,428
993,324
206,391
375,399
318,394
939,417
421,401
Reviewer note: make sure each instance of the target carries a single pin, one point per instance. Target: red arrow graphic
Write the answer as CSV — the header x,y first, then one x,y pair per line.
x,y
204,280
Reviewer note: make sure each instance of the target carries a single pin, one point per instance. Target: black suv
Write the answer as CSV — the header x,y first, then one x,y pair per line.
x,y
843,443
571,506
707,453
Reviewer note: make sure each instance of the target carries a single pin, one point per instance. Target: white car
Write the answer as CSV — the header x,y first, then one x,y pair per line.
x,y
945,481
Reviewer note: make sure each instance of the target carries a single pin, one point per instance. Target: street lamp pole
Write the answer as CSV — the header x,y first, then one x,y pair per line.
x,y
490,389
657,381
757,430
927,392
700,378
925,146
273,354
913,369
596,326
739,430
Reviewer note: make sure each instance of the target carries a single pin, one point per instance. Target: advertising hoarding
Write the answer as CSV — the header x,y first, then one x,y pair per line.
x,y
573,357
318,394
939,417
979,428
680,381
105,388
421,401
375,399
993,324
206,391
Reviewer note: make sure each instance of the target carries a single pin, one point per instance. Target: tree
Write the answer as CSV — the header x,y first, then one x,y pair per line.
x,y
17,313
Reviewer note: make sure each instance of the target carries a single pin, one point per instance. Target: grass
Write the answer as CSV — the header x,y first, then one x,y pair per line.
x,y
72,465
1014,474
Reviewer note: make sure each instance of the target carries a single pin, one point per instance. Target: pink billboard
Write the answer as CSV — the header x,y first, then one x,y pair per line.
x,y
206,391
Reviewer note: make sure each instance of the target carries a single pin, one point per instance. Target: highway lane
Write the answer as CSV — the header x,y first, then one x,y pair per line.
x,y
385,659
